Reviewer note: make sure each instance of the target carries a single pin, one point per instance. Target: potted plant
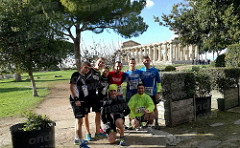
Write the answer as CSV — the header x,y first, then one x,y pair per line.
x,y
202,93
36,132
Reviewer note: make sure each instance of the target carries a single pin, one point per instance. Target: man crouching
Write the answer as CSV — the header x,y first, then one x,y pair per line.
x,y
142,107
113,115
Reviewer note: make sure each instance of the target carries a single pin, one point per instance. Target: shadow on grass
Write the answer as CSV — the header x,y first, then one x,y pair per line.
x,y
12,89
36,80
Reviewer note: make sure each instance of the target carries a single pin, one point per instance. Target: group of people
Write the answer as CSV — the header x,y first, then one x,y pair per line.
x,y
103,94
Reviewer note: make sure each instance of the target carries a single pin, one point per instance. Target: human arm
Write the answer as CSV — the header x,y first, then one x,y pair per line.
x,y
150,105
131,105
104,114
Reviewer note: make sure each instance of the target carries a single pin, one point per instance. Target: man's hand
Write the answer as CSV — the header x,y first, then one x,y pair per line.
x,y
78,103
157,96
146,111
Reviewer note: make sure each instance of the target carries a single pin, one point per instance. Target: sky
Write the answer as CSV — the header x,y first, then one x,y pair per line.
x,y
154,33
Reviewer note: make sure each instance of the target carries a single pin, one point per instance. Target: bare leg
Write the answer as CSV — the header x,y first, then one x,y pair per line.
x,y
97,122
87,124
119,125
78,128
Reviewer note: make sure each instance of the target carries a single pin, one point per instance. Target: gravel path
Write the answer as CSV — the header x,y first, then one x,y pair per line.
x,y
56,106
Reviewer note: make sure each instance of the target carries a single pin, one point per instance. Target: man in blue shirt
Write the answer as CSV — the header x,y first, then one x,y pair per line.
x,y
132,77
151,80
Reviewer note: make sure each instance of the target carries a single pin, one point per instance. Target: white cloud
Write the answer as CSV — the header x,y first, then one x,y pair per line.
x,y
150,3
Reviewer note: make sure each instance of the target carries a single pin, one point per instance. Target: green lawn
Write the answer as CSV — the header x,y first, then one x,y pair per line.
x,y
16,97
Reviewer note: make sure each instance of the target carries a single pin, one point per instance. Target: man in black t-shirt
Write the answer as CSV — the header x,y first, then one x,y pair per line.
x,y
103,87
92,101
79,92
113,115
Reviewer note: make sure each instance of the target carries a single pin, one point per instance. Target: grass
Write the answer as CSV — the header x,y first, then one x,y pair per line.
x,y
16,97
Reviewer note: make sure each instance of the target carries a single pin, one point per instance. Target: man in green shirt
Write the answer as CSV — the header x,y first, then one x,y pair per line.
x,y
141,107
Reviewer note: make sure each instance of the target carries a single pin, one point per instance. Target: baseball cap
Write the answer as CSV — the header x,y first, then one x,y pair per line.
x,y
113,87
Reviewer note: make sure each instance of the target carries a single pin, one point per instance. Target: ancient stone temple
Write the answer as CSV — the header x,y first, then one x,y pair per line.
x,y
165,52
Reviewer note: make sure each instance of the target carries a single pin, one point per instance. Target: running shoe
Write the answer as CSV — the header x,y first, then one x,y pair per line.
x,y
83,145
88,137
122,141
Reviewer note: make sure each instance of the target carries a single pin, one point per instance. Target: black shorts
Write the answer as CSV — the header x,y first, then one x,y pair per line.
x,y
79,111
111,124
154,99
110,127
94,104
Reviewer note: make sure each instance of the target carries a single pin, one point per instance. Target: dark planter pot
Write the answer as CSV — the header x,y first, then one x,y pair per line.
x,y
203,105
44,138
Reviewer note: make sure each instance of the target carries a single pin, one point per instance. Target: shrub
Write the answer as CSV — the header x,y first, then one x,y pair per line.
x,y
35,122
170,68
220,61
202,84
233,56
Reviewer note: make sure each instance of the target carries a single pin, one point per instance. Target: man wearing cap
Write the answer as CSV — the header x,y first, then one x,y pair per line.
x,y
113,115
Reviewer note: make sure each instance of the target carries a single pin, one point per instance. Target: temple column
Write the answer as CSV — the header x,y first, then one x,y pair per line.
x,y
145,51
137,55
190,52
176,51
141,54
171,52
165,52
187,53
155,53
133,53
196,52
123,55
160,52
182,53
151,52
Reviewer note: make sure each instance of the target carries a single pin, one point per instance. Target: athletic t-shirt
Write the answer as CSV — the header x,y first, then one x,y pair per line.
x,y
116,79
150,77
80,86
92,81
133,79
103,87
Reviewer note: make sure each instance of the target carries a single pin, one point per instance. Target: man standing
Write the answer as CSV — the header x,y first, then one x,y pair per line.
x,y
141,107
113,115
79,92
92,101
132,77
116,77
152,83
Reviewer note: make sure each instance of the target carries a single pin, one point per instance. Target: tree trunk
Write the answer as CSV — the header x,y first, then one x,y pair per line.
x,y
18,73
34,89
213,55
78,49
18,77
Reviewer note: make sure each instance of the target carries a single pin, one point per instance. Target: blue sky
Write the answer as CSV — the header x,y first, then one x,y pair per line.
x,y
155,33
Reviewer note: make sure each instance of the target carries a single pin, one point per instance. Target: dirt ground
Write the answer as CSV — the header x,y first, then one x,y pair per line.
x,y
56,106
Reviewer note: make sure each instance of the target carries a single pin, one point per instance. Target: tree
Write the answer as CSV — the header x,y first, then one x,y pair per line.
x,y
27,35
205,23
97,15
233,55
